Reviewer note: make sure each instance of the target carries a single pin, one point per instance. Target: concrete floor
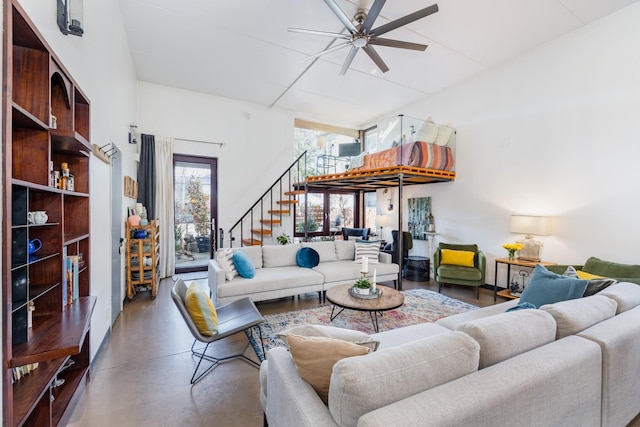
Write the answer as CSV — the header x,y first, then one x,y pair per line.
x,y
141,375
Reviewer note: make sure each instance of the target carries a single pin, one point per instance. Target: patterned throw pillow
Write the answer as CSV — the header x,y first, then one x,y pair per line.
x,y
201,310
224,257
369,250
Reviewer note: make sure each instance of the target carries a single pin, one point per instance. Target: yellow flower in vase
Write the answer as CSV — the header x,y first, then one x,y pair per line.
x,y
512,248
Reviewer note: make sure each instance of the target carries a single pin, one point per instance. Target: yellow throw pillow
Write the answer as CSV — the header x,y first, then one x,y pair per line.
x,y
587,276
315,356
201,309
453,257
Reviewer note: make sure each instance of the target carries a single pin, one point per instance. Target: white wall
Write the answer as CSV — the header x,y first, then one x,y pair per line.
x,y
554,132
258,141
101,65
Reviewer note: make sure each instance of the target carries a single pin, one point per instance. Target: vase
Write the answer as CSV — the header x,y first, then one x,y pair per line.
x,y
512,255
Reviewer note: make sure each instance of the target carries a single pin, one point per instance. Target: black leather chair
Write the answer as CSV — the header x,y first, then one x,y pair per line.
x,y
392,248
362,233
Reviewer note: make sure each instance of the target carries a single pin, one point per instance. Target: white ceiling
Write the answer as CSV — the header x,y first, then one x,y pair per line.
x,y
242,49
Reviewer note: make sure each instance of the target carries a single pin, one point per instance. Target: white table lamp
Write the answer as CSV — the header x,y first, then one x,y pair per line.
x,y
530,225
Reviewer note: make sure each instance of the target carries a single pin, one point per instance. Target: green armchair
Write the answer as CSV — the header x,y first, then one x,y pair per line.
x,y
452,274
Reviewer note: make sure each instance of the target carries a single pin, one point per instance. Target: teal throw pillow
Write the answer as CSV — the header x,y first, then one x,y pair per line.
x,y
244,265
307,257
546,287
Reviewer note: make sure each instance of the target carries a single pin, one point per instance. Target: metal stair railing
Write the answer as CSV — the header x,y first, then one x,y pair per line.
x,y
249,215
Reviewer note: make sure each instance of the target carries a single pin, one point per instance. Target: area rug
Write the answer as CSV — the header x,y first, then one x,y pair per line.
x,y
420,306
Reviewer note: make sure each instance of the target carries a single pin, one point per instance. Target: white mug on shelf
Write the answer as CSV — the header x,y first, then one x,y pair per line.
x,y
37,217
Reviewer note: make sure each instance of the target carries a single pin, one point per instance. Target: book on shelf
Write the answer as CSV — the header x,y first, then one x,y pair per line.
x,y
70,289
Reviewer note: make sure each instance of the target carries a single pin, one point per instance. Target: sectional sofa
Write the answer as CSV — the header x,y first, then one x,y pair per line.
x,y
278,275
572,363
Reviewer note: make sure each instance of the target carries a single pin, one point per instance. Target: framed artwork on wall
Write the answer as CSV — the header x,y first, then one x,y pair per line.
x,y
419,211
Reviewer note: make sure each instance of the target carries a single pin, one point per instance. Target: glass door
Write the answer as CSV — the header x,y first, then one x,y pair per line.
x,y
195,182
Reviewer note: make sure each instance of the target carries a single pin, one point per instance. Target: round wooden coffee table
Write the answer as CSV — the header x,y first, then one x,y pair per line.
x,y
340,296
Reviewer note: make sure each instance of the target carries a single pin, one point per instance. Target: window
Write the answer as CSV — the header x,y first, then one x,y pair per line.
x,y
327,212
322,144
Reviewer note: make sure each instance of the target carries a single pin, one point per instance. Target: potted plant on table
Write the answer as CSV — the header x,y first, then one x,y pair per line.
x,y
362,286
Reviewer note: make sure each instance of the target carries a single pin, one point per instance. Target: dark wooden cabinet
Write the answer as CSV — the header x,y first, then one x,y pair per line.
x,y
45,125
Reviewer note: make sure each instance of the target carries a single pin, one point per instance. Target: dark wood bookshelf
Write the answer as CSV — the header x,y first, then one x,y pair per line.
x,y
36,88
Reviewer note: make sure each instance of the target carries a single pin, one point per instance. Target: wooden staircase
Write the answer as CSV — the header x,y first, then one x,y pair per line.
x,y
267,213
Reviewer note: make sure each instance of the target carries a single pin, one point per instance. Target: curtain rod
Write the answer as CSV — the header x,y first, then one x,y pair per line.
x,y
221,144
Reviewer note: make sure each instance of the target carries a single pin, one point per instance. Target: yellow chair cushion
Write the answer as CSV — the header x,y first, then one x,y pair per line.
x,y
201,310
587,276
453,257
314,358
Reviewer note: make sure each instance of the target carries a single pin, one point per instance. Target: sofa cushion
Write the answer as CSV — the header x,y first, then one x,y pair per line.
x,y
344,271
315,356
546,287
360,385
307,258
255,253
279,255
457,272
201,310
270,279
453,257
224,257
244,265
345,250
626,294
452,322
326,250
349,335
506,335
579,314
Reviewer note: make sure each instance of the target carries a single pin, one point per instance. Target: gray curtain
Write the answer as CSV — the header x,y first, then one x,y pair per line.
x,y
147,174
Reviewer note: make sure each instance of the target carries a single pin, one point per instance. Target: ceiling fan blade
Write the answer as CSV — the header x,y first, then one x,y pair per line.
x,y
372,15
397,43
331,49
341,16
319,33
404,20
369,50
349,60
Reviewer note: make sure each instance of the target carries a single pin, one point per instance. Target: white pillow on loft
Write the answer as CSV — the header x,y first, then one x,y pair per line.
x,y
444,134
427,133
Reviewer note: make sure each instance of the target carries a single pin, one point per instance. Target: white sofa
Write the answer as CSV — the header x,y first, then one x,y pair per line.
x,y
278,275
573,363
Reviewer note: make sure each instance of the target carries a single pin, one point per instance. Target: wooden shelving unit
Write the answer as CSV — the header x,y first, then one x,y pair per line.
x,y
143,257
36,87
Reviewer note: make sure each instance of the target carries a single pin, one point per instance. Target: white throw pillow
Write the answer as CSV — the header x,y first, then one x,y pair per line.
x,y
444,134
224,257
427,133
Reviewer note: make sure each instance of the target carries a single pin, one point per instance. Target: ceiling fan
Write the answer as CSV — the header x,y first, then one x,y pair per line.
x,y
362,36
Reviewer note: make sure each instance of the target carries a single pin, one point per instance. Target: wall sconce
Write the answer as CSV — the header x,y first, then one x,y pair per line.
x,y
70,17
133,134
528,225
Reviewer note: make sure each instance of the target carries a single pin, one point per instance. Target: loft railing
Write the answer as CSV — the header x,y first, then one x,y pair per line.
x,y
246,228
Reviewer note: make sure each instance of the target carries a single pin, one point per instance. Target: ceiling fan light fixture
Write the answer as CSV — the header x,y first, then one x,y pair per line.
x,y
360,40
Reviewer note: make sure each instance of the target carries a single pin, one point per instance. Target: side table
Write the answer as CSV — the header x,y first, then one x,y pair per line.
x,y
509,263
417,268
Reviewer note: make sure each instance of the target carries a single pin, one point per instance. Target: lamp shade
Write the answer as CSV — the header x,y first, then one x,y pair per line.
x,y
531,225
382,220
